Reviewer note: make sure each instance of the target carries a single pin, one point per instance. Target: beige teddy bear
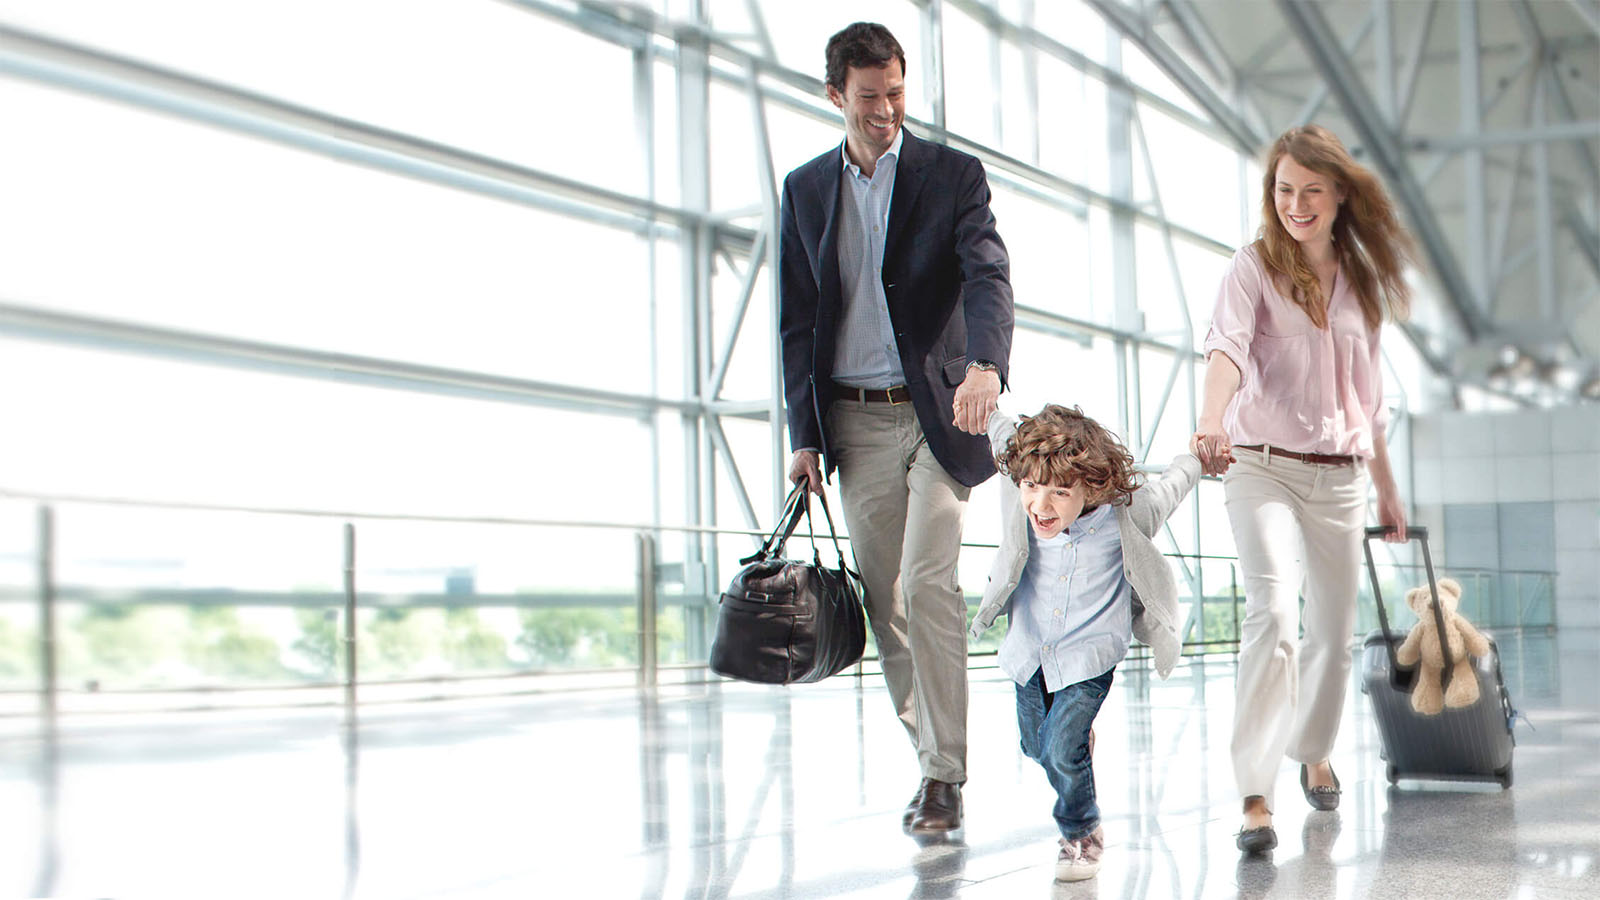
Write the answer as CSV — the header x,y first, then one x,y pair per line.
x,y
1421,648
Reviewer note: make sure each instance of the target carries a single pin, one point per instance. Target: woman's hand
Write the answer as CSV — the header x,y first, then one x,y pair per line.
x,y
1392,514
1391,511
1210,445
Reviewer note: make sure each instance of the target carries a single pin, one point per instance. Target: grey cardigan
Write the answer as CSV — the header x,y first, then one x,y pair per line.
x,y
1155,593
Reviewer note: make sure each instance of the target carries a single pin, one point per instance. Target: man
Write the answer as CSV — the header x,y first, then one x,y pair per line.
x,y
896,318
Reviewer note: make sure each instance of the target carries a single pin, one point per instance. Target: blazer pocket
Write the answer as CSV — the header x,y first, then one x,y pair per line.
x,y
955,371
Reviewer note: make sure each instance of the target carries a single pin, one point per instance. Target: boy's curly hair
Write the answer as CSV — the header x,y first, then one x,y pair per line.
x,y
1065,447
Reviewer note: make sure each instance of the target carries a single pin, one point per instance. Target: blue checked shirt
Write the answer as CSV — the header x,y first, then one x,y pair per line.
x,y
866,356
1071,613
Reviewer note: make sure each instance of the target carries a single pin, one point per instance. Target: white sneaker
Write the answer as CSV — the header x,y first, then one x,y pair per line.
x,y
1080,859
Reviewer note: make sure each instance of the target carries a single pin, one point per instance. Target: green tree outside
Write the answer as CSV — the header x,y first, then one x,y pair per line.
x,y
595,637
318,643
19,654
470,645
396,641
121,644
220,645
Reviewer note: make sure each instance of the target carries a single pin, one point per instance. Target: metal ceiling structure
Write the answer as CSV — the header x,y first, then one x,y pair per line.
x,y
1484,120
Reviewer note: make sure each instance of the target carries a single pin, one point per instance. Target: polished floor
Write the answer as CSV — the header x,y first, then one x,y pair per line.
x,y
742,791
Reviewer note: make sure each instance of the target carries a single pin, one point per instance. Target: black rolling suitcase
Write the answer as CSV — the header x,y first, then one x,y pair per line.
x,y
1470,743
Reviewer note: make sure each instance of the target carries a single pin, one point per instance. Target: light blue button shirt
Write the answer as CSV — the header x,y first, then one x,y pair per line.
x,y
1071,613
866,354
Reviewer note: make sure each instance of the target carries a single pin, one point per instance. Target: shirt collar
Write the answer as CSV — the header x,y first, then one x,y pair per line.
x,y
1059,540
893,151
1094,519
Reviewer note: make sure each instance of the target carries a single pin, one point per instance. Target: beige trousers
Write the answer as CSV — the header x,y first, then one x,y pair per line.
x,y
904,513
1297,527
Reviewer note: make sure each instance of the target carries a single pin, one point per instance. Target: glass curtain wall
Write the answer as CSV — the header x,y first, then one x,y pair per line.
x,y
474,299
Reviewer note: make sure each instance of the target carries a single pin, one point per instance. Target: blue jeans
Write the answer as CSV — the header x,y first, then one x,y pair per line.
x,y
1055,734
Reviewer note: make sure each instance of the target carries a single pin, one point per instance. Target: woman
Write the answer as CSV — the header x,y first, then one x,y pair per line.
x,y
1293,403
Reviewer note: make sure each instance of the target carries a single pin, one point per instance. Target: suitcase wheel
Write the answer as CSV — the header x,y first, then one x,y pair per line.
x,y
1504,776
1393,772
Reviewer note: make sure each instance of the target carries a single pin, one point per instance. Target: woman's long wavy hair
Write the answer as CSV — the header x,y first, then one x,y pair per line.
x,y
1372,245
1061,446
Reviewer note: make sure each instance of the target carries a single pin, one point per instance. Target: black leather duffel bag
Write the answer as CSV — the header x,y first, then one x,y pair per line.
x,y
786,621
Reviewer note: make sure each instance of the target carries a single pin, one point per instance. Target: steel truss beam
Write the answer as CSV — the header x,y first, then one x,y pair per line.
x,y
1244,136
96,72
629,25
1319,95
1205,44
1470,77
47,60
1589,11
1486,52
1407,88
169,343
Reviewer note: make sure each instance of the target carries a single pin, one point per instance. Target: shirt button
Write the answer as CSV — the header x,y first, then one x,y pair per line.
x,y
1058,612
1091,531
1062,578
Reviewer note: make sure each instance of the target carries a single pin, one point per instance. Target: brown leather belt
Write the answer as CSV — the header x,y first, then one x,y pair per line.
x,y
1317,459
895,395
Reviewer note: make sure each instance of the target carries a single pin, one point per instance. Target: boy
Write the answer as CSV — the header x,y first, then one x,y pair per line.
x,y
1078,576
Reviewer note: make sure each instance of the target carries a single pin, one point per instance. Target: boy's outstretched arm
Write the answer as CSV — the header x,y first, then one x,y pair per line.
x,y
1002,425
1156,500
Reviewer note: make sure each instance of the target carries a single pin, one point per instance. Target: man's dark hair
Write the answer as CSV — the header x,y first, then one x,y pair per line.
x,y
859,46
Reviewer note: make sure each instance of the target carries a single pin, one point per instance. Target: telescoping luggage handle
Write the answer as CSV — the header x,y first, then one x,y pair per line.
x,y
793,508
1416,533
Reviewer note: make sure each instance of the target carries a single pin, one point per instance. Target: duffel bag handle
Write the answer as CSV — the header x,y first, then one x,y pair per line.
x,y
832,532
811,530
1413,533
793,508
797,505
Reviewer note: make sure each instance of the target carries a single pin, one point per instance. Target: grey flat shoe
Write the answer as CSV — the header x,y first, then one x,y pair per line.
x,y
1322,796
1256,840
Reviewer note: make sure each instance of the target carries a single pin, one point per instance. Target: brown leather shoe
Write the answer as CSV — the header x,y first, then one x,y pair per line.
x,y
915,804
940,809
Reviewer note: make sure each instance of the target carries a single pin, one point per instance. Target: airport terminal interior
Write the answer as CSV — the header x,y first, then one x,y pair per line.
x,y
393,387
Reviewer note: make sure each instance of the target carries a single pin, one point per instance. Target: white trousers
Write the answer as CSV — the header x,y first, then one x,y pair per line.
x,y
1297,527
904,512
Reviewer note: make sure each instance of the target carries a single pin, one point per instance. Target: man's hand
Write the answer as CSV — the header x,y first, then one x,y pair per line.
x,y
1210,445
804,466
976,398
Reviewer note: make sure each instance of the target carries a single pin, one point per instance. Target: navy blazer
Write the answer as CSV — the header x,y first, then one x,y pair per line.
x,y
946,276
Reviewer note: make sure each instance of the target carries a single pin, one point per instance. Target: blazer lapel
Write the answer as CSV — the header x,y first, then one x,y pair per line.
x,y
828,180
908,184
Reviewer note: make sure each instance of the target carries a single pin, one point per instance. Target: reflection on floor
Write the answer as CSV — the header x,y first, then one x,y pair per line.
x,y
742,791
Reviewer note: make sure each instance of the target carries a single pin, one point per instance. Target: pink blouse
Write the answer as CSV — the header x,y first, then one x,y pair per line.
x,y
1303,388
